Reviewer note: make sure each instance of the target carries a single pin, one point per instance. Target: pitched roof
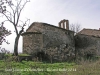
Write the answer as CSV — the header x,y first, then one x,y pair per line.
x,y
91,32
46,24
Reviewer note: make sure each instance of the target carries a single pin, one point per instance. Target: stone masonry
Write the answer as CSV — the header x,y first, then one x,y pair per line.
x,y
87,43
49,42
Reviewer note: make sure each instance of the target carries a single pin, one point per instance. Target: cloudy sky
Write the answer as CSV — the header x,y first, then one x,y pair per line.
x,y
84,12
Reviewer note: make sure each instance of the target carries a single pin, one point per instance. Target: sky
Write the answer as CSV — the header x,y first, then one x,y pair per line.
x,y
84,12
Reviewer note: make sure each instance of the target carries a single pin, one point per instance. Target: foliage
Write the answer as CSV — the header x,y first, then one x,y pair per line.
x,y
3,33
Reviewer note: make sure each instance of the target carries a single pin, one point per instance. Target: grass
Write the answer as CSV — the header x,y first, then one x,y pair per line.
x,y
87,68
32,68
19,54
40,68
24,55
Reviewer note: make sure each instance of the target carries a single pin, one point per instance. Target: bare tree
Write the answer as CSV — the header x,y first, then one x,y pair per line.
x,y
75,27
11,10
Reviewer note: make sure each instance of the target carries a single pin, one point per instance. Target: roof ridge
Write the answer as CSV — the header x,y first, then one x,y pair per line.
x,y
46,24
90,29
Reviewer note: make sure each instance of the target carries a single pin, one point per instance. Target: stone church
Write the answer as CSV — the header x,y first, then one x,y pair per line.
x,y
87,43
47,41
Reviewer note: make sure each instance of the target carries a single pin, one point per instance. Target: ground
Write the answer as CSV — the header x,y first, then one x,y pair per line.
x,y
42,68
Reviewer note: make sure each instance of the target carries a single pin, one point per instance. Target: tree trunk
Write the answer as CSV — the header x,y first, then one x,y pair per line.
x,y
16,42
16,45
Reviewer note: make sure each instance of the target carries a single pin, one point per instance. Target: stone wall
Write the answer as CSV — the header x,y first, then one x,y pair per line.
x,y
32,42
53,42
87,46
51,32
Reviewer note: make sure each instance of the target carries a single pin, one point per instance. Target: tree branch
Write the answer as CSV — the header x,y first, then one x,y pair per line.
x,y
20,12
7,18
10,6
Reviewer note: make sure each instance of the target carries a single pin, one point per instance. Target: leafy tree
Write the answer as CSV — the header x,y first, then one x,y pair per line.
x,y
3,33
11,10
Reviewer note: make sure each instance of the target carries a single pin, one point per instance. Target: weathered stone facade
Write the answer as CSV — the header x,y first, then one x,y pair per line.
x,y
51,43
48,42
87,44
32,41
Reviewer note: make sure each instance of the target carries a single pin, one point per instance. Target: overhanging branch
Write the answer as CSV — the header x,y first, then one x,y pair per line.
x,y
7,17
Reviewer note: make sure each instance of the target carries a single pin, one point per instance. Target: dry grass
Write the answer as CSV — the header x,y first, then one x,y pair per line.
x,y
86,68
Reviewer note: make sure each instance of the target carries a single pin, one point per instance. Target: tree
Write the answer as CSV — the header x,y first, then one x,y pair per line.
x,y
11,10
3,33
75,27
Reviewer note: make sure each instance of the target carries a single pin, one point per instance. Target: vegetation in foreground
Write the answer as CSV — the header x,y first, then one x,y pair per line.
x,y
8,67
33,68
